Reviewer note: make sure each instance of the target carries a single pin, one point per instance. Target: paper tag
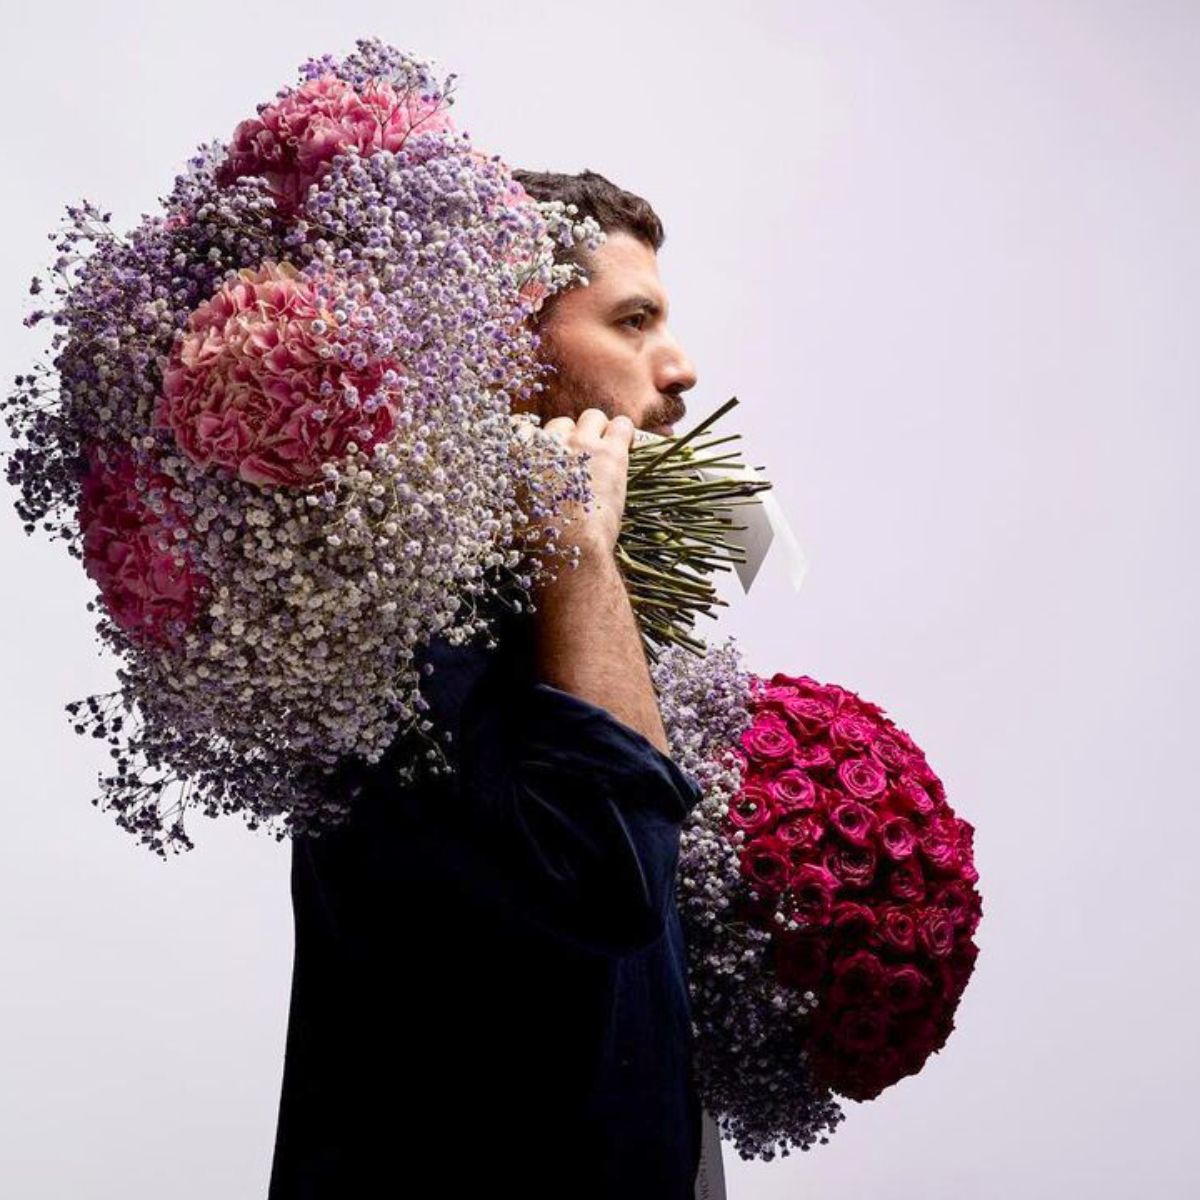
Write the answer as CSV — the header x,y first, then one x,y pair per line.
x,y
763,518
710,1175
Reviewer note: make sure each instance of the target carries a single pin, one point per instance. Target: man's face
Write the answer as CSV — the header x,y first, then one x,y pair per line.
x,y
610,344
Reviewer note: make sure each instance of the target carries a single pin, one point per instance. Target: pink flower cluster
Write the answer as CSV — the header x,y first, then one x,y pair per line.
x,y
148,583
291,142
848,837
254,383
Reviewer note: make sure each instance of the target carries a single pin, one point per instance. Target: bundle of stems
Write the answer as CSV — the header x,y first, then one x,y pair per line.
x,y
676,530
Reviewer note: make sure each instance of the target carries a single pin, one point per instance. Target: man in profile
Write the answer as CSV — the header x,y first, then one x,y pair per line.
x,y
490,979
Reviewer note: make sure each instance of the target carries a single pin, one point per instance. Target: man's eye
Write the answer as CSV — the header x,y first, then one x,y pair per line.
x,y
639,316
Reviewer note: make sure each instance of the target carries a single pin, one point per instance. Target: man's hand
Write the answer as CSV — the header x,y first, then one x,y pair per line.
x,y
607,444
587,636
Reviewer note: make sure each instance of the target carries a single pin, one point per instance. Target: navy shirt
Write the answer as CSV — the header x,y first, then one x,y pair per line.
x,y
489,986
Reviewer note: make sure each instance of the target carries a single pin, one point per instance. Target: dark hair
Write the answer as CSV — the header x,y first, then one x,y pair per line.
x,y
611,207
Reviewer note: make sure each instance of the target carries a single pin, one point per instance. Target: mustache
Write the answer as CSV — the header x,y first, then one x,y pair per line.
x,y
672,415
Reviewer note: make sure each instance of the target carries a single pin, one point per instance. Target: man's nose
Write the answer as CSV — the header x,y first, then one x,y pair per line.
x,y
678,373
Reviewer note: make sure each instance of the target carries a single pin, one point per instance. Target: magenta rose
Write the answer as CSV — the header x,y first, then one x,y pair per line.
x,y
800,683
292,141
866,708
897,928
918,768
908,988
851,731
854,821
812,889
936,931
868,919
811,756
768,739
858,978
890,754
961,904
765,863
906,881
940,845
853,865
898,837
253,384
792,789
751,809
809,715
966,851
862,777
852,923
799,831
909,796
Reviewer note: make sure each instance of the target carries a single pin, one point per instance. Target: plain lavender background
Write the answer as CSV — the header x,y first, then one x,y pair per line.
x,y
947,256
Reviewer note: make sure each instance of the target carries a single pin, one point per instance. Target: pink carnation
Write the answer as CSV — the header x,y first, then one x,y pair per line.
x,y
292,141
147,581
254,384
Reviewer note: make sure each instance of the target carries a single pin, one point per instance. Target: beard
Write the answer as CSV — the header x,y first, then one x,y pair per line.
x,y
567,393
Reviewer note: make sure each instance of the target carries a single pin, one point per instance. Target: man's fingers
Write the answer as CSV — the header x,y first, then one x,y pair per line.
x,y
621,428
591,422
560,427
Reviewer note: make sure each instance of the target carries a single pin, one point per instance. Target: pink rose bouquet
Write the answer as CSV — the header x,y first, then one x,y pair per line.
x,y
828,893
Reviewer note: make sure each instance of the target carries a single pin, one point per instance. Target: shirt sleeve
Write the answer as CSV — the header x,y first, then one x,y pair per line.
x,y
564,816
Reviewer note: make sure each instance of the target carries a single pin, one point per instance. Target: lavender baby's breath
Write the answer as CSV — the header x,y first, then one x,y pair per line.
x,y
749,1061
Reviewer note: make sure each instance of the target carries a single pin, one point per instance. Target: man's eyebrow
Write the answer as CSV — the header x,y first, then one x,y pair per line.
x,y
638,301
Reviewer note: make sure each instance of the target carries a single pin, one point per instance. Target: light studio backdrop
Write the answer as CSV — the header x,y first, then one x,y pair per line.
x,y
946,255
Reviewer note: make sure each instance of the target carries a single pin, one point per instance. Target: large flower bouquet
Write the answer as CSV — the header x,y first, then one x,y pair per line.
x,y
282,430
828,894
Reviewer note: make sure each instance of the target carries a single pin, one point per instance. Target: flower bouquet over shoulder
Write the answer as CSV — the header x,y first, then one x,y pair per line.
x,y
278,430
828,894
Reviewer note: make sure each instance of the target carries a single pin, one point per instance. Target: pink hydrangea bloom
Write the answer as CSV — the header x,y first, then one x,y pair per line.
x,y
243,388
291,141
148,583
